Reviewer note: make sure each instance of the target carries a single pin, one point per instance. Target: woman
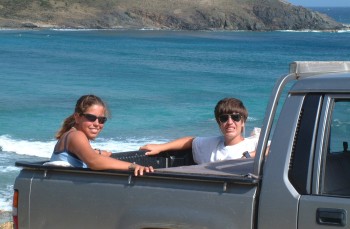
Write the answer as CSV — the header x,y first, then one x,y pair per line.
x,y
73,145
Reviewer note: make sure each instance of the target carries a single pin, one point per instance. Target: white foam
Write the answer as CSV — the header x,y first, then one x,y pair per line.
x,y
7,169
344,31
315,31
116,146
27,147
44,148
6,199
251,119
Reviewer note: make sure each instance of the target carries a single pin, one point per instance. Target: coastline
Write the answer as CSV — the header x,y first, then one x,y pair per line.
x,y
180,15
7,225
40,25
6,220
329,16
346,28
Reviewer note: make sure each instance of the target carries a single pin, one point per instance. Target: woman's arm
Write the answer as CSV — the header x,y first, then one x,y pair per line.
x,y
80,145
103,152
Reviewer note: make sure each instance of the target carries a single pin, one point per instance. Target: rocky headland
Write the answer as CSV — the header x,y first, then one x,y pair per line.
x,y
251,15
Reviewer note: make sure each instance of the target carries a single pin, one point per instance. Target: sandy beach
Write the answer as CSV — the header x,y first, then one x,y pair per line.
x,y
5,220
7,225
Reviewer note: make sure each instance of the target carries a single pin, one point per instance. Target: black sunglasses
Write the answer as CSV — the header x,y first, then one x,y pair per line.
x,y
92,118
235,117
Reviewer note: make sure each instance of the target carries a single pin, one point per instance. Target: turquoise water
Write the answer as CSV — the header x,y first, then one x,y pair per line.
x,y
159,85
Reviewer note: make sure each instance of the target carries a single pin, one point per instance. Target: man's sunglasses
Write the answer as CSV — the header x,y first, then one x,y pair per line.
x,y
235,117
92,118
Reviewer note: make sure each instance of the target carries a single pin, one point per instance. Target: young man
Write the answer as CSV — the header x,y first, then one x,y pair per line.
x,y
231,116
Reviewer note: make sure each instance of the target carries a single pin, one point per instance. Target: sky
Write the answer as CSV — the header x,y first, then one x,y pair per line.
x,y
327,3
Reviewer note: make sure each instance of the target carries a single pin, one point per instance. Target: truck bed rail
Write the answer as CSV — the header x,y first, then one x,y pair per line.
x,y
178,165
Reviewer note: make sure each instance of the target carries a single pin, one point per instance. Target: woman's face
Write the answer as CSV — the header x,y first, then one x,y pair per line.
x,y
88,123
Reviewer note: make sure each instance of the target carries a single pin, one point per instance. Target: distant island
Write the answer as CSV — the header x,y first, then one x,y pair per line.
x,y
251,15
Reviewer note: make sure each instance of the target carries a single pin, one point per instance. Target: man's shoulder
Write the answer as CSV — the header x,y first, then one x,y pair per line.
x,y
203,147
250,142
209,139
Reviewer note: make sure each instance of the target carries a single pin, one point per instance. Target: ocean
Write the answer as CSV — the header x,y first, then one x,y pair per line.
x,y
159,85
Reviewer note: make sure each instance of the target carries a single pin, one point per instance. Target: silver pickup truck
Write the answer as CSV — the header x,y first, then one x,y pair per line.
x,y
302,180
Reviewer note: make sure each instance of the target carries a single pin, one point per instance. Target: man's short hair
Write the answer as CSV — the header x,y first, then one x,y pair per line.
x,y
229,106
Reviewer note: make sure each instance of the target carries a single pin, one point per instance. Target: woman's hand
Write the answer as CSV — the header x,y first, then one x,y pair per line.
x,y
139,169
106,153
152,149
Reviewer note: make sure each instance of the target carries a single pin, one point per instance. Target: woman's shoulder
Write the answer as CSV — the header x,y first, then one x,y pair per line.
x,y
75,136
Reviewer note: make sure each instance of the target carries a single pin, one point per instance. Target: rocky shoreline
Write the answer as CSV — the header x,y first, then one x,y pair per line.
x,y
41,26
6,220
227,15
7,225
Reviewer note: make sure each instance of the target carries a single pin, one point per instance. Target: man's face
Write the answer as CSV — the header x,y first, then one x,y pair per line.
x,y
231,126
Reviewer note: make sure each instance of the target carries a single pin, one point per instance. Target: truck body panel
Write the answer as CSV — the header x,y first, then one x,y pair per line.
x,y
299,180
154,201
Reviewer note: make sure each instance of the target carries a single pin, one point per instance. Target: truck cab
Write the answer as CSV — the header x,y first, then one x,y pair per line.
x,y
307,171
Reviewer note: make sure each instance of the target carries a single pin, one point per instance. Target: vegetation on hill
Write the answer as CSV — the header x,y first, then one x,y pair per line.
x,y
255,15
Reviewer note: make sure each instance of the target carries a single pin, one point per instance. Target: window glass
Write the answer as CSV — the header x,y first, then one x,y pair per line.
x,y
340,127
337,165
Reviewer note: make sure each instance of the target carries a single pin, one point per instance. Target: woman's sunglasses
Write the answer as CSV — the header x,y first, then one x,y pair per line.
x,y
92,118
235,117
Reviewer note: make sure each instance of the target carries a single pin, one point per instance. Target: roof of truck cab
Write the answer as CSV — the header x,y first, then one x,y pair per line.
x,y
328,82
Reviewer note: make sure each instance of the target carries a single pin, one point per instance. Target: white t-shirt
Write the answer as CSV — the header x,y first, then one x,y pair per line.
x,y
210,149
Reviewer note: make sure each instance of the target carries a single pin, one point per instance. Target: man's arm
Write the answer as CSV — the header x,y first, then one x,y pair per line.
x,y
178,144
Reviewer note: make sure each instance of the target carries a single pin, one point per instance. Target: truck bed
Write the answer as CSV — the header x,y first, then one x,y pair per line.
x,y
176,195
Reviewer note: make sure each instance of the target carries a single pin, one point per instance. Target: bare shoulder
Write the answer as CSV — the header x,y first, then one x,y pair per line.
x,y
77,137
78,143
